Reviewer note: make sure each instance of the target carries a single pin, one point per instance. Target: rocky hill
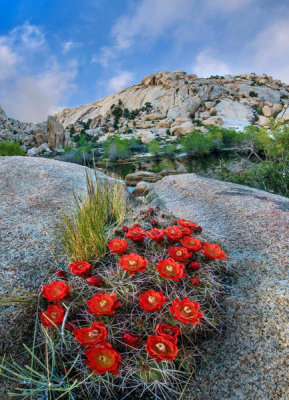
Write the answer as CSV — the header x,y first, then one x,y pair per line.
x,y
181,102
165,105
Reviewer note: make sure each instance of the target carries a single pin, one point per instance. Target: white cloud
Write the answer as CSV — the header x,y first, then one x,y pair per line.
x,y
8,60
149,20
107,54
33,98
33,82
69,45
29,35
270,50
120,81
206,65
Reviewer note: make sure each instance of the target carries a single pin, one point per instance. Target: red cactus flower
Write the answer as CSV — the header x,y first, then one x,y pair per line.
x,y
191,243
103,358
198,229
169,330
103,304
194,266
131,340
95,281
161,348
136,234
188,224
195,281
152,301
170,269
89,337
60,273
213,252
156,234
125,228
186,311
55,291
117,246
184,229
52,316
173,234
133,263
80,268
151,210
179,253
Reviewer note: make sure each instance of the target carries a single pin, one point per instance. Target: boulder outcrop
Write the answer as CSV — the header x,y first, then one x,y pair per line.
x,y
33,192
250,359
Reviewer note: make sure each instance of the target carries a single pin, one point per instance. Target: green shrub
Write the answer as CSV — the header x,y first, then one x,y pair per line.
x,y
11,149
252,93
195,143
154,147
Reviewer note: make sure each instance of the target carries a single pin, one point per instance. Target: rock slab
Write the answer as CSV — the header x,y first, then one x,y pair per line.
x,y
33,192
252,361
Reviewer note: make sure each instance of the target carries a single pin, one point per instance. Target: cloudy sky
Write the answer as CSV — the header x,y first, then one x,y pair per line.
x,y
65,53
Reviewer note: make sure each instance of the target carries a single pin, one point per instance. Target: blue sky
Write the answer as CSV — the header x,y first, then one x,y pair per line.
x,y
56,54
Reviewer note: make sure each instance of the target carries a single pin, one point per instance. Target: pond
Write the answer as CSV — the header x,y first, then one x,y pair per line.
x,y
197,164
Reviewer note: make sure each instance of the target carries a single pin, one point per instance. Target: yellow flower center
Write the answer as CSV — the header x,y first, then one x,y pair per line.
x,y
179,253
172,232
54,315
93,333
169,268
187,309
132,262
103,359
161,347
103,303
151,299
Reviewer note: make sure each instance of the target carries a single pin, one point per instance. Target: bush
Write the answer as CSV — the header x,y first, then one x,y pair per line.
x,y
116,148
11,149
154,147
253,94
152,315
195,143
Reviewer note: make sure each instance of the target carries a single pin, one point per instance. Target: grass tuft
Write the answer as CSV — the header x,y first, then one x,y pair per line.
x,y
85,230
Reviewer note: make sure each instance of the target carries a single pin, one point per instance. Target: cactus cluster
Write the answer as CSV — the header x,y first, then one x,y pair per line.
x,y
131,325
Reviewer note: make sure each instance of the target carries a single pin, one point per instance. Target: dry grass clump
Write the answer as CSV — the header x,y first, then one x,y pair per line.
x,y
84,230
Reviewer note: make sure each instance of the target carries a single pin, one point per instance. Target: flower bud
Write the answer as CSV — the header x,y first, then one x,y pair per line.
x,y
195,281
132,340
61,274
125,228
154,222
95,281
194,266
